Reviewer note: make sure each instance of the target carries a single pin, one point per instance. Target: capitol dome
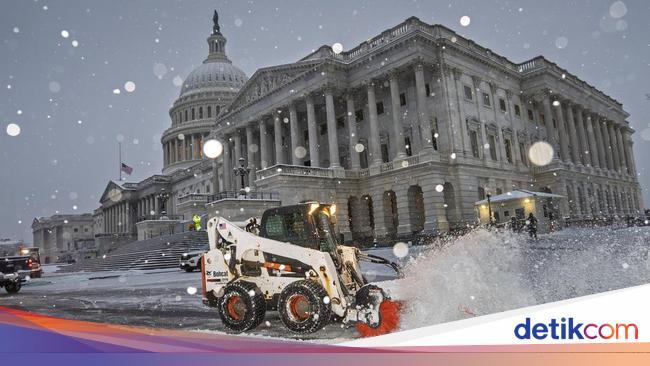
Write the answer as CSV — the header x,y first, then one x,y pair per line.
x,y
205,93
212,76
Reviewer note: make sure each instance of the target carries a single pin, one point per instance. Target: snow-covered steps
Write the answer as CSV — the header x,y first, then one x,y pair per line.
x,y
154,253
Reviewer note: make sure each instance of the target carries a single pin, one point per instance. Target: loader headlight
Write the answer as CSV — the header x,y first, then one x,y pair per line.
x,y
313,207
332,209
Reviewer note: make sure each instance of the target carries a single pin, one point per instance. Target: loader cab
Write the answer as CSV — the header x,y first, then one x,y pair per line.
x,y
309,225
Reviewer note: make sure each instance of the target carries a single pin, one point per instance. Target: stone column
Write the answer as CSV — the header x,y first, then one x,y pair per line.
x,y
435,217
573,133
548,121
227,168
602,160
192,147
424,120
398,130
215,182
607,144
313,132
582,137
293,127
613,144
277,136
156,205
264,152
332,137
564,144
352,131
250,155
373,138
629,152
591,135
237,140
621,150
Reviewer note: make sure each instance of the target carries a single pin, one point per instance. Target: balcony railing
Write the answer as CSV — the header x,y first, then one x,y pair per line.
x,y
159,217
194,197
253,195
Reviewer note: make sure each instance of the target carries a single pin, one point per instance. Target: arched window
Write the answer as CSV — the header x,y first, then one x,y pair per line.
x,y
193,115
200,112
209,111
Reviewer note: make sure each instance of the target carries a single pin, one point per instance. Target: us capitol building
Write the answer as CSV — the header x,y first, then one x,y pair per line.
x,y
404,132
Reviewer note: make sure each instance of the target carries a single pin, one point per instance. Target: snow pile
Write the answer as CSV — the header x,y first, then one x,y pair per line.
x,y
477,274
485,271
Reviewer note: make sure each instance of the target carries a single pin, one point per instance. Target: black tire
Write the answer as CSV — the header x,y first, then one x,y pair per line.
x,y
242,306
12,287
302,307
189,269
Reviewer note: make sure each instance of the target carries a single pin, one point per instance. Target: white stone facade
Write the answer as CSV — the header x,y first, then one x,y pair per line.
x,y
403,132
426,107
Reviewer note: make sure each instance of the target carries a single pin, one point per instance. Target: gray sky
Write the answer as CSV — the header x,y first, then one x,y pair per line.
x,y
62,96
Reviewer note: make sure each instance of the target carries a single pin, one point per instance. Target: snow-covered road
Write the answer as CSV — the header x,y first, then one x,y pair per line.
x,y
480,273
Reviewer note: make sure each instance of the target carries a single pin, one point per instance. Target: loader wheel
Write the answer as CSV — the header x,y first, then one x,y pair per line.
x,y
302,307
242,306
12,287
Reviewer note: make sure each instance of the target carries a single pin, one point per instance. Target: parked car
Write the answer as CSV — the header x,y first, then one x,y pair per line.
x,y
192,260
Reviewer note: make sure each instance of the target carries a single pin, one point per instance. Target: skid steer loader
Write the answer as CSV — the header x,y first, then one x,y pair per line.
x,y
292,262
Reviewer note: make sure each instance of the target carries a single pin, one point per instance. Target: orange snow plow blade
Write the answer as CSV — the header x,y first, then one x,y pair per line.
x,y
389,312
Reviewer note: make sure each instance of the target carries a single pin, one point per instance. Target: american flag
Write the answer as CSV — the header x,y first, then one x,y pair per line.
x,y
127,169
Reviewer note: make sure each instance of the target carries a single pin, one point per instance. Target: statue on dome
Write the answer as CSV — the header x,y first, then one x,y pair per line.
x,y
215,20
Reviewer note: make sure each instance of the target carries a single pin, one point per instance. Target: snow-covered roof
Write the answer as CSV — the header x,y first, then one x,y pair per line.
x,y
517,194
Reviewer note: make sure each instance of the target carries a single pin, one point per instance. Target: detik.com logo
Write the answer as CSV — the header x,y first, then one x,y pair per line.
x,y
568,328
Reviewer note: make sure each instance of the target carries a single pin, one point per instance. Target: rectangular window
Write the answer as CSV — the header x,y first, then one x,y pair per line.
x,y
517,110
209,111
519,213
76,230
481,193
531,115
380,107
508,148
493,147
502,105
407,145
522,153
323,129
402,99
434,134
200,112
193,115
427,90
468,92
486,99
384,153
542,120
340,122
359,115
473,138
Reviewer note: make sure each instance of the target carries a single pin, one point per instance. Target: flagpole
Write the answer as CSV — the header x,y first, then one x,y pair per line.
x,y
120,154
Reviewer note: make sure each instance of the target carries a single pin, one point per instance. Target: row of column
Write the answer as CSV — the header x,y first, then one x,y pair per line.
x,y
584,137
588,199
190,147
234,141
147,206
117,218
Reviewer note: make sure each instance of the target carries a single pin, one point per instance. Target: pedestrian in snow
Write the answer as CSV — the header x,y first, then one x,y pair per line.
x,y
532,226
514,226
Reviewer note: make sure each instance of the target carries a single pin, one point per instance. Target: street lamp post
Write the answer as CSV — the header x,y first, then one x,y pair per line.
x,y
243,172
163,196
489,209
